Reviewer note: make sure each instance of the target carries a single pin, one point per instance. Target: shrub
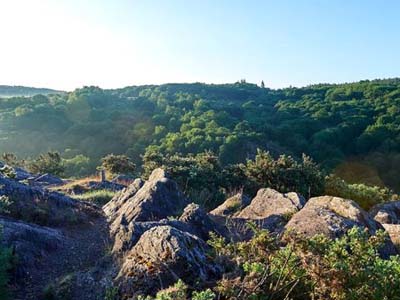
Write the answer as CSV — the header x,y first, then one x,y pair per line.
x,y
118,164
49,162
284,174
76,166
366,196
348,268
259,268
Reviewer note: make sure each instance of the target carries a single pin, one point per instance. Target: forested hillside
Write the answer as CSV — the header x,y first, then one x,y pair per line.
x,y
352,128
18,91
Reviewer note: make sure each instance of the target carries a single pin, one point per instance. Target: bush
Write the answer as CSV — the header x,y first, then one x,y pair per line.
x,y
49,162
366,196
207,182
76,166
118,164
284,174
348,268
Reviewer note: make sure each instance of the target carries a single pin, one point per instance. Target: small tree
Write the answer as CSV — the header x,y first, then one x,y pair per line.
x,y
118,164
50,162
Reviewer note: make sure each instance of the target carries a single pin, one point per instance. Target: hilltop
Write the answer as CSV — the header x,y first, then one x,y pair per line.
x,y
24,91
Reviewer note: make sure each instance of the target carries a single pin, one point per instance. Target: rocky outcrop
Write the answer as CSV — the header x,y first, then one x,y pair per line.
x,y
194,220
162,255
157,199
40,206
269,202
232,206
199,222
31,243
112,207
271,209
331,216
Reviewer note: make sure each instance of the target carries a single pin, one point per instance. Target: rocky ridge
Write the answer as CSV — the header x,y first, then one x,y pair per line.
x,y
149,235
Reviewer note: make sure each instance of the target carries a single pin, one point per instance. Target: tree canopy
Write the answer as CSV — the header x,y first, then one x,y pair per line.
x,y
335,125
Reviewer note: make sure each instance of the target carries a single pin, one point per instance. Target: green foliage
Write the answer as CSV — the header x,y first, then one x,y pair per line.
x,y
348,268
176,292
5,265
330,123
76,166
180,291
118,164
111,294
203,295
50,162
259,268
285,174
366,196
207,181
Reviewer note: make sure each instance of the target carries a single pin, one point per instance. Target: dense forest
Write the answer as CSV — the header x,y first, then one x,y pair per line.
x,y
352,129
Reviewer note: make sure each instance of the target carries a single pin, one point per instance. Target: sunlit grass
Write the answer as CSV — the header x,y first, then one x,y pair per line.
x,y
99,197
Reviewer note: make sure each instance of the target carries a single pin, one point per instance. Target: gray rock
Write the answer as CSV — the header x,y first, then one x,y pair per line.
x,y
157,199
232,206
162,255
111,208
200,222
331,216
40,206
386,213
31,243
271,209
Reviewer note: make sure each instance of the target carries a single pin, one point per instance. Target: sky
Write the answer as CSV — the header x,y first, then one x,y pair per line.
x,y
67,44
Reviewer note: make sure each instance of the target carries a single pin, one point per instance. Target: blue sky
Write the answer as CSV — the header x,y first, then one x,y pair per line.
x,y
66,44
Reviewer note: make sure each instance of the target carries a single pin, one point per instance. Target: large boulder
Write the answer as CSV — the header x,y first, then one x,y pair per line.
x,y
386,213
269,202
111,208
157,199
331,216
231,206
163,255
194,220
272,209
